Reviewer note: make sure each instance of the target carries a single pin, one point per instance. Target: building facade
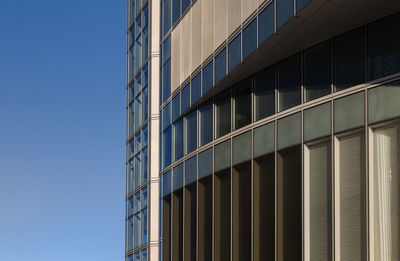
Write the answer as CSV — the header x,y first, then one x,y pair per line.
x,y
263,130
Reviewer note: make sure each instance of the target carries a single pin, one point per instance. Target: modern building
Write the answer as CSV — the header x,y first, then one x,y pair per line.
x,y
263,130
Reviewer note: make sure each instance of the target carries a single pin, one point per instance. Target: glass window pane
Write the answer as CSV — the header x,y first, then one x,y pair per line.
x,y
242,148
178,177
220,66
145,97
206,123
178,140
166,181
350,183
166,50
167,80
317,121
349,59
284,11
167,16
166,148
205,163
289,82
207,77
176,107
349,112
266,23
383,102
317,71
318,206
234,53
386,193
250,36
300,4
264,91
191,170
222,156
191,131
176,10
196,89
242,104
166,116
264,137
290,204
185,5
289,131
223,113
185,99
384,47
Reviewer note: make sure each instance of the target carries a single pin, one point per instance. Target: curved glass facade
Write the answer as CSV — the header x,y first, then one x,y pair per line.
x,y
278,162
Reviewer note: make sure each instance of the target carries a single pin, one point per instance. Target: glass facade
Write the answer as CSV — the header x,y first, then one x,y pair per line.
x,y
137,131
274,166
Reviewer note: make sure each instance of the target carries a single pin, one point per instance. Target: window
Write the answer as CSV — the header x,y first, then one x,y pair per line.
x,y
196,89
350,206
317,121
300,4
264,92
242,104
185,5
385,195
167,16
250,36
234,53
289,82
176,107
176,10
264,139
284,11
266,23
166,113
289,131
178,139
384,47
220,66
383,102
207,78
205,163
223,113
318,203
317,71
289,207
191,131
349,112
206,123
166,69
166,160
349,59
185,98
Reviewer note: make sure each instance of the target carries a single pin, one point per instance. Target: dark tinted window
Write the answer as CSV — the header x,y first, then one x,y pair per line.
x,y
185,98
242,104
317,71
289,82
166,160
185,5
178,137
300,4
220,66
234,56
191,131
264,91
284,11
176,107
207,77
176,10
196,89
266,23
384,47
223,113
250,38
206,123
349,59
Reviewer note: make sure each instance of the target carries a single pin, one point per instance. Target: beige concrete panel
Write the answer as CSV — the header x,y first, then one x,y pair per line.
x,y
207,23
186,44
176,57
221,22
234,15
196,35
248,7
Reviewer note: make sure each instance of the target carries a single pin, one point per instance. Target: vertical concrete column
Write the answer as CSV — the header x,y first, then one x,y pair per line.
x,y
154,142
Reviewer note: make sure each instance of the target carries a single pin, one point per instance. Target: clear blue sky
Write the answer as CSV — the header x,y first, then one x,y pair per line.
x,y
62,130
